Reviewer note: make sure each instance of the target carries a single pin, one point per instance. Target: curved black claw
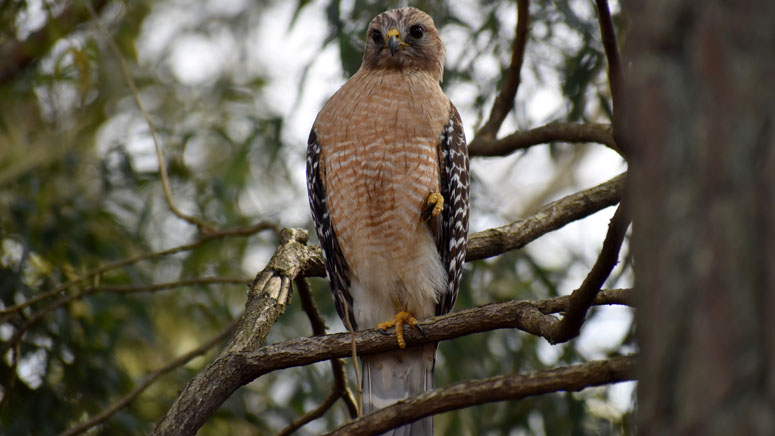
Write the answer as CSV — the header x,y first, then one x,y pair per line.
x,y
385,332
419,329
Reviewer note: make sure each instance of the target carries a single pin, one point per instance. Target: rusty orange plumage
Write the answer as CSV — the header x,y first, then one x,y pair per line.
x,y
385,145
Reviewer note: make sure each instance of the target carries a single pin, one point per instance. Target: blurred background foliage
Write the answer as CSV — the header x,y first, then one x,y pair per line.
x,y
80,189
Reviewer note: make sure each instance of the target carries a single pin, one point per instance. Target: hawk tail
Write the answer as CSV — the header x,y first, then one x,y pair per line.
x,y
397,375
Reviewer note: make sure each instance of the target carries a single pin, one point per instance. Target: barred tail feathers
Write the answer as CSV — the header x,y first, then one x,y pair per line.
x,y
394,376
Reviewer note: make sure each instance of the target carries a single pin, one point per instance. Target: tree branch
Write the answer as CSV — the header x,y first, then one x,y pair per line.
x,y
583,297
201,225
238,232
238,364
520,314
128,398
551,217
500,388
505,99
337,365
267,298
615,75
19,333
244,361
552,132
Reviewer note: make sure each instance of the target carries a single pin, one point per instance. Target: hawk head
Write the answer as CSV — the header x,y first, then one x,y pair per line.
x,y
404,39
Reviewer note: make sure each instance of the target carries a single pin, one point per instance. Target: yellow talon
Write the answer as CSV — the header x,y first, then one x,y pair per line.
x,y
436,201
398,322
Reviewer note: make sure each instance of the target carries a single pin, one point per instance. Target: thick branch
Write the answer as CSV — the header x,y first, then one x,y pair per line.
x,y
242,363
522,315
505,387
238,365
267,298
505,99
552,132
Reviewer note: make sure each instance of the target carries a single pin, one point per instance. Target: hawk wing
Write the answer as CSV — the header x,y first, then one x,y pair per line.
x,y
451,232
336,265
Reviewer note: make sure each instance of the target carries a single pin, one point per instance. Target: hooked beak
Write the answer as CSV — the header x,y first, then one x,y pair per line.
x,y
394,42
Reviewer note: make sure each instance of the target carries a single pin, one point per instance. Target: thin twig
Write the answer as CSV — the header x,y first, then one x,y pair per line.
x,y
309,307
201,225
340,379
156,287
500,388
149,380
505,99
319,329
9,384
125,289
582,298
237,232
312,414
340,388
615,74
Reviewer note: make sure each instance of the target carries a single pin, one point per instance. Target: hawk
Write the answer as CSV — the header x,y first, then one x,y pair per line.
x,y
387,180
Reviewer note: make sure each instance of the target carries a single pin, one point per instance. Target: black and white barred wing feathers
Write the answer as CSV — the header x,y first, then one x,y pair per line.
x,y
336,265
451,232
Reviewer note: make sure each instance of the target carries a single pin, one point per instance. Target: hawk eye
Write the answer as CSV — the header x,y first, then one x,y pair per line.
x,y
416,31
377,37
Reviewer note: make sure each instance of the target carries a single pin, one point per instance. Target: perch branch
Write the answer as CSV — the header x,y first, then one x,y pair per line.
x,y
245,361
522,315
500,388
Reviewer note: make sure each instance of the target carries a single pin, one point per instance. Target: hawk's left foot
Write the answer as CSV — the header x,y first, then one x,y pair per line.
x,y
433,206
398,322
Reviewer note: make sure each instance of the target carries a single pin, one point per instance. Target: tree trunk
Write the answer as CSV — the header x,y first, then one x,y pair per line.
x,y
700,126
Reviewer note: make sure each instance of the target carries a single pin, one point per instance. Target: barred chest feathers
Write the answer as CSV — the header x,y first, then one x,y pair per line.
x,y
388,155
